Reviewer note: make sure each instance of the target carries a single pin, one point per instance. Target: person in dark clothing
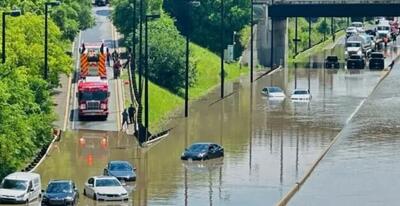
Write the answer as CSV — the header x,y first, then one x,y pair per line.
x,y
108,57
131,112
124,119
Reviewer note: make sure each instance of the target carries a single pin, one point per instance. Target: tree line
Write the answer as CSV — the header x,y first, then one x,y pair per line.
x,y
26,105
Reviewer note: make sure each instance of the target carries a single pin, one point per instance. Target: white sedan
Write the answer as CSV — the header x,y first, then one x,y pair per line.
x,y
273,92
301,94
105,188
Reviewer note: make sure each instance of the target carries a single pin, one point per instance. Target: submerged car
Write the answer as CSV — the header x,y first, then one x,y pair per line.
x,y
332,62
301,94
273,92
122,170
60,192
356,62
105,188
202,151
20,187
377,61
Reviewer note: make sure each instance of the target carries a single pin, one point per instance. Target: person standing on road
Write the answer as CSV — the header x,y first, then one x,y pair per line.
x,y
124,119
108,57
131,112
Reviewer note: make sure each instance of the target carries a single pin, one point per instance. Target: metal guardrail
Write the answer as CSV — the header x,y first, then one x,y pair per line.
x,y
271,2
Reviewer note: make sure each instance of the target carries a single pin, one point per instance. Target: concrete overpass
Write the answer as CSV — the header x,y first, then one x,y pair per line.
x,y
277,12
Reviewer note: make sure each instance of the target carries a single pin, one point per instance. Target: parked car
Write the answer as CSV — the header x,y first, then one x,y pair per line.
x,y
301,94
203,151
351,31
332,62
122,170
356,62
273,92
20,187
377,61
105,188
60,192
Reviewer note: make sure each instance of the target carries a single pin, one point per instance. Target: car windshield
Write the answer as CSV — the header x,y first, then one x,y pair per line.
x,y
14,184
332,58
198,147
59,187
96,95
355,57
107,183
120,167
375,55
353,44
300,92
275,90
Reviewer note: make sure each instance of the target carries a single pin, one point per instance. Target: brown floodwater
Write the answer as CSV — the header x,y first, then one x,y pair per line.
x,y
269,143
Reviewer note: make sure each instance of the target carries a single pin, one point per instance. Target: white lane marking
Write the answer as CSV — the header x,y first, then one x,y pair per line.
x,y
74,118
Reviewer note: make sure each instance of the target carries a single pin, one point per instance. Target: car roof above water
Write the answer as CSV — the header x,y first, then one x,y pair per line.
x,y
22,176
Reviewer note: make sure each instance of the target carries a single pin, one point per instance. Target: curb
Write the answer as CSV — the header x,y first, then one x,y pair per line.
x,y
285,199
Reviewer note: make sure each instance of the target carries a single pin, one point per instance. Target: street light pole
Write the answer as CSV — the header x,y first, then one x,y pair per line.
x,y
222,49
140,48
251,41
3,44
46,33
146,74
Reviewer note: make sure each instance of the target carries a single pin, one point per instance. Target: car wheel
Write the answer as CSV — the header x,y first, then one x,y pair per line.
x,y
27,201
205,158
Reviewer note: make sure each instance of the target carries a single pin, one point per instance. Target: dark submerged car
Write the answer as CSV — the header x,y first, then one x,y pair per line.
x,y
60,192
356,62
202,151
377,61
332,62
122,170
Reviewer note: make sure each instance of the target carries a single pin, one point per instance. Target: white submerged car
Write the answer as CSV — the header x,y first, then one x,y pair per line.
x,y
273,92
301,94
105,188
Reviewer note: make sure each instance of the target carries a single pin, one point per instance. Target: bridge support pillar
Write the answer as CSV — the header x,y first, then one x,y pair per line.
x,y
279,44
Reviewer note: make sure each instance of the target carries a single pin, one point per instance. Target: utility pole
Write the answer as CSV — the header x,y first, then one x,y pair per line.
x,y
251,42
222,49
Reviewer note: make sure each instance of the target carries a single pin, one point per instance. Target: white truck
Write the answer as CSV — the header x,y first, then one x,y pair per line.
x,y
358,45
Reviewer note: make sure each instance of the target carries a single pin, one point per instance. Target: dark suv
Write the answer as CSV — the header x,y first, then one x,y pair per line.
x,y
356,62
377,61
332,62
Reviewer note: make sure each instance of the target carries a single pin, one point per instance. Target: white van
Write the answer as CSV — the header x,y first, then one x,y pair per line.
x,y
20,187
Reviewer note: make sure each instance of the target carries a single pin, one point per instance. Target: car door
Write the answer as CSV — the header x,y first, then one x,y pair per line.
x,y
31,192
90,187
218,150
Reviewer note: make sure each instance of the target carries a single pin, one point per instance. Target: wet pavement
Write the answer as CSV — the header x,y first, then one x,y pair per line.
x,y
362,166
101,32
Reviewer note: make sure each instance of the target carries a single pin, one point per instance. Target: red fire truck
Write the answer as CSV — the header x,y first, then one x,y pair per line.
x,y
93,97
93,58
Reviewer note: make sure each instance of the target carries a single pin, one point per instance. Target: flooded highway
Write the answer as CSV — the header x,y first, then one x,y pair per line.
x,y
364,161
268,143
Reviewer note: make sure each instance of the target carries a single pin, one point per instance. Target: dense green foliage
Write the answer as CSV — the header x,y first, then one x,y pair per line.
x,y
70,16
26,107
166,46
205,20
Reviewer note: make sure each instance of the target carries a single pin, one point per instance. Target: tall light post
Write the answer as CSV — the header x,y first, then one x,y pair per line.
x,y
3,48
188,30
222,49
46,33
146,73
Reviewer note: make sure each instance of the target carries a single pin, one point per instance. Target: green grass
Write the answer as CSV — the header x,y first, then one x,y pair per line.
x,y
303,56
163,103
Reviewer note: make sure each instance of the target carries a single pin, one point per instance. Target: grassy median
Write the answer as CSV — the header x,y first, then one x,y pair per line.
x,y
163,103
